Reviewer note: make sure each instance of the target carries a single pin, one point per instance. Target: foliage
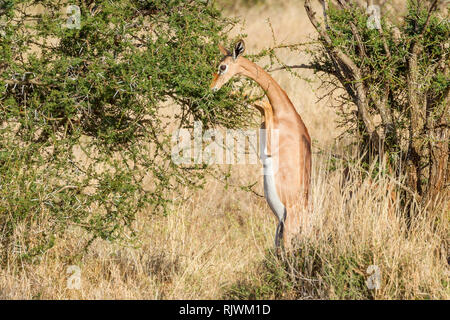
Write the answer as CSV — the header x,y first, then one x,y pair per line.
x,y
84,112
399,74
397,77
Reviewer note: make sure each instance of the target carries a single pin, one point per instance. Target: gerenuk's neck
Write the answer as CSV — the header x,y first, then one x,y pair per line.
x,y
279,100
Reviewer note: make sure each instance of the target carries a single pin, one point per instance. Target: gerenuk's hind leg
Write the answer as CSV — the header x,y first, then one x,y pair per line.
x,y
279,234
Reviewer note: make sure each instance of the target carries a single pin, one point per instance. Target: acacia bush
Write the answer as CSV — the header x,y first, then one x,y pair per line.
x,y
85,112
397,76
389,79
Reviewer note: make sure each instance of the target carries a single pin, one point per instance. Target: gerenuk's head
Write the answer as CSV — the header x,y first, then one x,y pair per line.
x,y
229,66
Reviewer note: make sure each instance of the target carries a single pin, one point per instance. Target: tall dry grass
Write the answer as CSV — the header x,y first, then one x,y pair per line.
x,y
357,231
217,244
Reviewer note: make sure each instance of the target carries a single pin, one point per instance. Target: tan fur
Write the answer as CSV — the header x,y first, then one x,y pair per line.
x,y
293,154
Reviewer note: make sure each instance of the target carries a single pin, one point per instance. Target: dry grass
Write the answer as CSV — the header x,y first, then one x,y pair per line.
x,y
351,233
192,253
216,244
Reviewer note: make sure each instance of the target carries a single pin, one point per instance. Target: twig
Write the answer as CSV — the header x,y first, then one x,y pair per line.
x,y
344,60
298,66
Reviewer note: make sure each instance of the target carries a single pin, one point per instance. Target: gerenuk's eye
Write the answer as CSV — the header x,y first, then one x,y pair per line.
x,y
223,68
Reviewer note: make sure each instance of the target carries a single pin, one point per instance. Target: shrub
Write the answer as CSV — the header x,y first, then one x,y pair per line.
x,y
84,137
391,88
399,74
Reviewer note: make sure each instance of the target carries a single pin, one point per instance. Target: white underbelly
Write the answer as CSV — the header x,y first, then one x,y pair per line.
x,y
270,191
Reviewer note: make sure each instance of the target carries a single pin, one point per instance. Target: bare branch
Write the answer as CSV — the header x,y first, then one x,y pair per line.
x,y
26,82
343,59
300,66
325,10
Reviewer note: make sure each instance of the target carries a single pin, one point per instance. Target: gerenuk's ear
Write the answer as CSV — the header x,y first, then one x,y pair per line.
x,y
224,51
239,49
